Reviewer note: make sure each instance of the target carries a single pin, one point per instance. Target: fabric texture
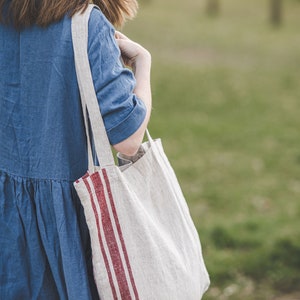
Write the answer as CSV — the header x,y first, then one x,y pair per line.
x,y
144,243
45,245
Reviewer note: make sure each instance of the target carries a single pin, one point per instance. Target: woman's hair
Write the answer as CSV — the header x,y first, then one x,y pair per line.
x,y
23,13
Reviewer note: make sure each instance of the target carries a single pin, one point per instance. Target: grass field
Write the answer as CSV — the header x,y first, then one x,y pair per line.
x,y
226,98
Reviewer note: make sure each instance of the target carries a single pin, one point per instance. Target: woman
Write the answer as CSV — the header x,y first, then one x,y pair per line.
x,y
45,248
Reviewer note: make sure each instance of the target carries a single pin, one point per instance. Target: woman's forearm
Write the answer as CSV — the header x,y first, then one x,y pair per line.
x,y
139,60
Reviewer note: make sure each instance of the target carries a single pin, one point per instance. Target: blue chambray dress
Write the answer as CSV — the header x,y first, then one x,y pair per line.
x,y
44,242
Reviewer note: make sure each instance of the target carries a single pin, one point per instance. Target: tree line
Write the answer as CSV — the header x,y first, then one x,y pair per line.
x,y
275,7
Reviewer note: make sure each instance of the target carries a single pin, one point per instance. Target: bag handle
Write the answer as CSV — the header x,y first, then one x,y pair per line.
x,y
79,27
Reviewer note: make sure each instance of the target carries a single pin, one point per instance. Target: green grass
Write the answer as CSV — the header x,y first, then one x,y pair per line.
x,y
226,99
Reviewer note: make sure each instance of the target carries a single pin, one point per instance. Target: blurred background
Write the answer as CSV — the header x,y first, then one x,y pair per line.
x,y
226,98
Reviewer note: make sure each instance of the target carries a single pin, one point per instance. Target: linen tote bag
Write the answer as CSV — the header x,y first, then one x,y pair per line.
x,y
144,242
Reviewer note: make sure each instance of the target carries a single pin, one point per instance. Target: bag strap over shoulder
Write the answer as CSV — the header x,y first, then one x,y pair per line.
x,y
89,100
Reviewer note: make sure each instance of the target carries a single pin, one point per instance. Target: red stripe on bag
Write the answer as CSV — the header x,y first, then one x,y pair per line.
x,y
111,238
100,240
120,233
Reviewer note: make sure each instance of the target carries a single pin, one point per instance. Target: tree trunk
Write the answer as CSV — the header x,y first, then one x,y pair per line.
x,y
276,12
212,7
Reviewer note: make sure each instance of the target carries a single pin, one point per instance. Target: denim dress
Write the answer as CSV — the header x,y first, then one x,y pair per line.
x,y
44,242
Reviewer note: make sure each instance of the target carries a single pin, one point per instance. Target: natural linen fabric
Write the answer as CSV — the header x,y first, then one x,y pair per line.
x,y
144,242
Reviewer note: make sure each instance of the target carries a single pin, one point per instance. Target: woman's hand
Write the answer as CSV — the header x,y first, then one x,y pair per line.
x,y
132,53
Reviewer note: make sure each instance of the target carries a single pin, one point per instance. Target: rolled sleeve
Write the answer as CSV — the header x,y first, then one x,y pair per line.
x,y
122,111
129,125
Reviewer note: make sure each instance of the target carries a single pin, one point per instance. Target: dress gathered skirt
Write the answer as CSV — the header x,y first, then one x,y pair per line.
x,y
45,252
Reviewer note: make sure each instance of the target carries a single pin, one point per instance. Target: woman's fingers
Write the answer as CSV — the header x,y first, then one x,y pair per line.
x,y
119,35
130,50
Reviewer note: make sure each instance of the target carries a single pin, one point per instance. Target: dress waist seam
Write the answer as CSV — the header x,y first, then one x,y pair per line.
x,y
32,178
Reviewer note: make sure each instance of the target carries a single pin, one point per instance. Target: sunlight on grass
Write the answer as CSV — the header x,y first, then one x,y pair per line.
x,y
226,104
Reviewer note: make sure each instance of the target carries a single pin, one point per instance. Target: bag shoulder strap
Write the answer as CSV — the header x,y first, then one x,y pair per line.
x,y
79,27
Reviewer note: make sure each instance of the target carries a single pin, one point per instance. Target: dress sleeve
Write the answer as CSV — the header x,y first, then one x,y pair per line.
x,y
122,111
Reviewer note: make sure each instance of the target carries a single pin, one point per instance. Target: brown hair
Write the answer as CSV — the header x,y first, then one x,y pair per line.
x,y
23,13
